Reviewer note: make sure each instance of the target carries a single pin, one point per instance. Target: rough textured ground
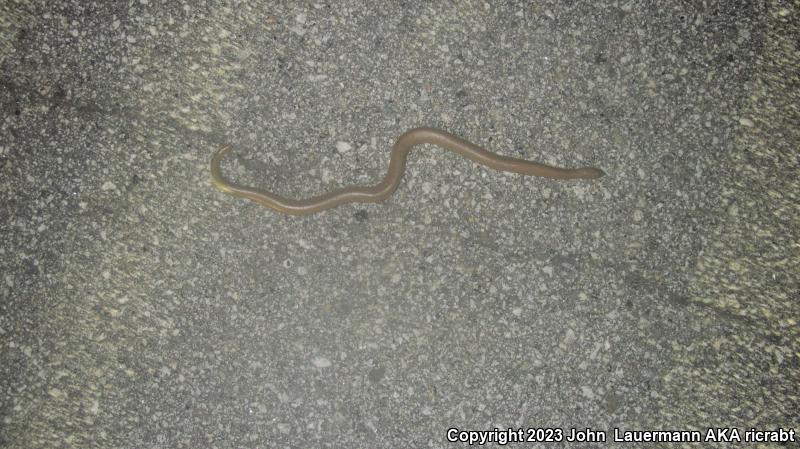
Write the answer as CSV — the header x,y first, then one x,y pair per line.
x,y
139,307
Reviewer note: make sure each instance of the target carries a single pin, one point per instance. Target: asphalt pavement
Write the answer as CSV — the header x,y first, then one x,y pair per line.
x,y
141,307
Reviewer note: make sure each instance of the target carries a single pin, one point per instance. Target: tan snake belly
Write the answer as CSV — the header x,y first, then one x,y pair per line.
x,y
390,182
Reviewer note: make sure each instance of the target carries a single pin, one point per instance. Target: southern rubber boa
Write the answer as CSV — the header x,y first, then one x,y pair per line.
x,y
390,182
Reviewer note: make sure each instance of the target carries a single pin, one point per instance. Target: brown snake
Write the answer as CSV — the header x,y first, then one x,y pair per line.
x,y
391,181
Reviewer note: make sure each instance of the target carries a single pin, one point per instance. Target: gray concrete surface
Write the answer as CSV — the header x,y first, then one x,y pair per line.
x,y
142,308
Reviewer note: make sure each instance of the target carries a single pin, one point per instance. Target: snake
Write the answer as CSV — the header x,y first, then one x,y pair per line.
x,y
391,181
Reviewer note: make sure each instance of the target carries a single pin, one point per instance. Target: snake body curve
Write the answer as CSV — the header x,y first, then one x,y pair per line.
x,y
390,182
